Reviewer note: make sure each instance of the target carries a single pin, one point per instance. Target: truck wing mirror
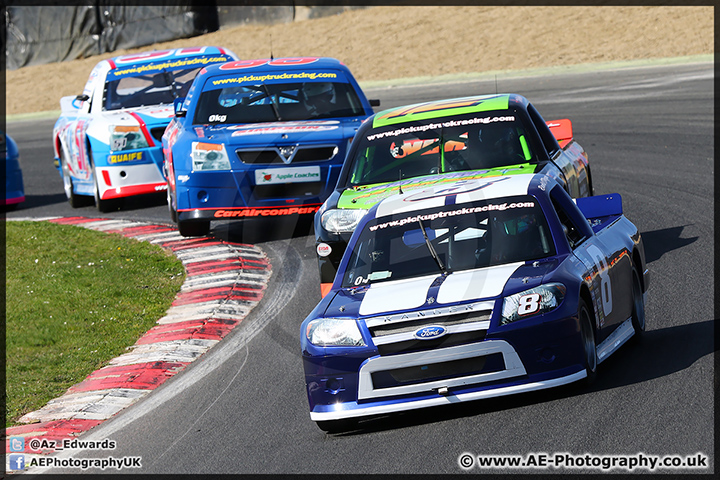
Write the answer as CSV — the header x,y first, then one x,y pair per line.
x,y
178,106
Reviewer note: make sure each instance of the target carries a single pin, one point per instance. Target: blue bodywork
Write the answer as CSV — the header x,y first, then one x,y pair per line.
x,y
440,367
282,160
107,140
14,187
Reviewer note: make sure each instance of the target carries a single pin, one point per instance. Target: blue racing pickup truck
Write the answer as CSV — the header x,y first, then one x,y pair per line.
x,y
470,290
260,138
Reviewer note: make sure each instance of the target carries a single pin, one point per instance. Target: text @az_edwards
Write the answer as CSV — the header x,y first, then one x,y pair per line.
x,y
18,462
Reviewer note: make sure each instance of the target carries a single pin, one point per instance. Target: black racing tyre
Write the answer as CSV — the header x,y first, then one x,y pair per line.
x,y
75,200
171,209
193,228
638,307
327,270
103,206
587,334
337,426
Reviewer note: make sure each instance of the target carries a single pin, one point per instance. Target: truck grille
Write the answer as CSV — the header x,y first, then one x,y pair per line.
x,y
299,154
445,321
442,342
397,337
447,367
437,371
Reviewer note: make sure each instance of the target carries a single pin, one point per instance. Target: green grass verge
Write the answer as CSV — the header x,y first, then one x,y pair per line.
x,y
76,298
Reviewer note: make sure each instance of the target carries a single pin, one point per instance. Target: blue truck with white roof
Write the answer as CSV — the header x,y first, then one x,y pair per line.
x,y
470,290
107,139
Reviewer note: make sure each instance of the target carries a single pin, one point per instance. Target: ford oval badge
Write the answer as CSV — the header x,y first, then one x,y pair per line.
x,y
430,332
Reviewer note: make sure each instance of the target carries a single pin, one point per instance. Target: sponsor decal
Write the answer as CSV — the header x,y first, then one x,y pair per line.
x,y
367,196
140,57
302,123
543,183
142,69
242,64
160,111
402,150
430,332
166,112
284,129
428,110
271,77
501,207
125,157
437,126
287,175
265,212
323,250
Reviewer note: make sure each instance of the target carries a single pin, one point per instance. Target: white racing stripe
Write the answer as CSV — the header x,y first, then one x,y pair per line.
x,y
482,283
399,295
457,287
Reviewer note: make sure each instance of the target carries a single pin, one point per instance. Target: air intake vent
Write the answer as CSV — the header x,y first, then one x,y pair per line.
x,y
272,156
261,157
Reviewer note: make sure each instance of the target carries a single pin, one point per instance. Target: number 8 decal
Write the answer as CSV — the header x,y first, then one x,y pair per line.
x,y
605,287
528,304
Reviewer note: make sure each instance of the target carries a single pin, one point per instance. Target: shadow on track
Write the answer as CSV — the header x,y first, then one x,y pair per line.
x,y
659,242
139,202
260,230
36,201
634,363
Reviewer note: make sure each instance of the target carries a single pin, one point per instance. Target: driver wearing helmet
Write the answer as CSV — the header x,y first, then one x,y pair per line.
x,y
319,97
493,147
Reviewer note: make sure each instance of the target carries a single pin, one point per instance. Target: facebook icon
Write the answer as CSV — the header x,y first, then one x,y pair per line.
x,y
17,462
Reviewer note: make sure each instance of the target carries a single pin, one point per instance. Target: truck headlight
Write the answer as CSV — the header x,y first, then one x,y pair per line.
x,y
127,137
341,220
532,302
209,156
334,332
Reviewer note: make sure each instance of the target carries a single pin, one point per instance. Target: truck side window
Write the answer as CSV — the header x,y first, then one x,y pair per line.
x,y
548,139
574,232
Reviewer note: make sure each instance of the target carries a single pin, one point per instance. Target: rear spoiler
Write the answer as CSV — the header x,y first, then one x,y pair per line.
x,y
600,205
70,104
561,130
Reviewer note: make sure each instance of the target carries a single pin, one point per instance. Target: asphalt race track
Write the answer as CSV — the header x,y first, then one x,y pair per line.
x,y
242,408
